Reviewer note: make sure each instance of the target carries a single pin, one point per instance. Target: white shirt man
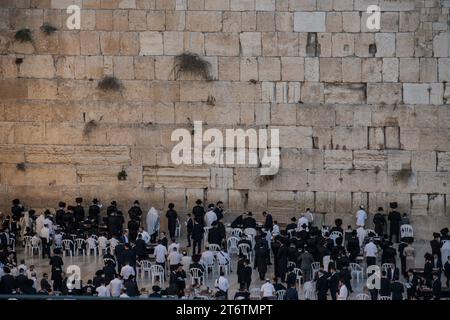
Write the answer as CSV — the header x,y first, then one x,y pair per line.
x,y
160,253
145,236
267,289
127,271
361,234
301,222
102,242
49,224
370,249
210,217
207,257
343,292
173,245
45,233
361,217
275,230
186,261
115,287
174,257
223,284
92,242
103,291
309,216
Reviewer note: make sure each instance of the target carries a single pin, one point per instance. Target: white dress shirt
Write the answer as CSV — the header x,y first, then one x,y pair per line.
x,y
223,284
301,222
160,253
210,217
173,245
361,217
343,293
174,258
45,233
208,257
268,289
145,236
127,271
370,250
103,291
115,286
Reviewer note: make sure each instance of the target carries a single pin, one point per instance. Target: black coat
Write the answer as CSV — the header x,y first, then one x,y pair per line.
x,y
322,287
172,217
291,294
78,213
385,287
268,223
437,287
7,284
94,212
197,232
245,275
397,290
333,283
394,219
249,222
199,213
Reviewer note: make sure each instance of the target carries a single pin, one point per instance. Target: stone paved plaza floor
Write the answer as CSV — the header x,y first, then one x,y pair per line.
x,y
90,264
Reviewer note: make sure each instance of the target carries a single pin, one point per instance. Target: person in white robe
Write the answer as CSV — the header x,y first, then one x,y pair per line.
x,y
153,223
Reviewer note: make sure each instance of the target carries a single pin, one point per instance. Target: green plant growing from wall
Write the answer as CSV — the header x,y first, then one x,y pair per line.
x,y
48,29
110,83
192,64
23,35
122,175
21,166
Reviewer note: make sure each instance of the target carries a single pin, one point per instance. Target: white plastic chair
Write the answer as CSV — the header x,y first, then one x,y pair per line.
x,y
384,298
178,229
386,266
91,246
280,294
334,235
406,230
255,293
246,251
370,231
315,267
223,266
236,232
324,231
290,232
214,248
36,245
27,243
145,266
79,246
197,274
157,271
102,247
232,245
362,296
298,273
309,290
67,246
356,269
250,232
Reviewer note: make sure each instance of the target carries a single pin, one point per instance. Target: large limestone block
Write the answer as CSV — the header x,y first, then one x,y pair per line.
x,y
39,175
405,44
222,44
351,70
441,45
295,137
398,159
350,137
343,202
292,158
11,154
384,93
39,66
390,69
369,159
330,69
423,160
376,138
343,45
283,114
372,70
250,43
176,178
424,139
312,92
151,43
345,93
309,22
257,200
419,204
385,44
338,159
204,21
416,93
315,115
443,161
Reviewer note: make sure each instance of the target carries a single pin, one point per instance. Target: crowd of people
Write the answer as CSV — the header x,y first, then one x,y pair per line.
x,y
319,262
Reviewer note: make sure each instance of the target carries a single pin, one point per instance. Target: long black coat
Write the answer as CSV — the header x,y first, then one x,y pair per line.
x,y
282,261
261,258
197,232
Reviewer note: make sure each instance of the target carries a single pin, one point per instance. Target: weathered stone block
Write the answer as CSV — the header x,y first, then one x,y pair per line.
x,y
371,70
331,69
151,43
250,43
390,69
309,22
345,93
384,93
204,21
369,159
38,66
338,159
222,44
385,44
416,93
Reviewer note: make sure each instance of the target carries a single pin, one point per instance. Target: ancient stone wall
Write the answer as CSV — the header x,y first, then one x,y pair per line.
x,y
363,114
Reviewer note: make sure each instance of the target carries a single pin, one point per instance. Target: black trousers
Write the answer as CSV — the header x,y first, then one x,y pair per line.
x,y
45,247
371,261
198,244
189,234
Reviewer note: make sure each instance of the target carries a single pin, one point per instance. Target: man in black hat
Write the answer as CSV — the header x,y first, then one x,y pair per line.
x,y
112,208
78,211
59,215
199,212
178,280
379,221
156,294
249,221
94,211
135,212
172,217
214,234
394,218
436,245
292,225
17,210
